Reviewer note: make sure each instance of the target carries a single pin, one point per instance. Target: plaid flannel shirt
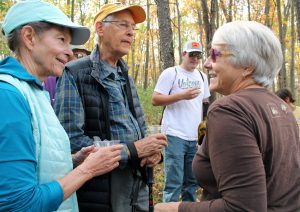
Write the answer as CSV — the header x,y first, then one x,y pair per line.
x,y
69,109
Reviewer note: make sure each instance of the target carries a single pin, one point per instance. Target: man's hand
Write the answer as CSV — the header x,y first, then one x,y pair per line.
x,y
151,160
159,99
80,156
150,145
189,93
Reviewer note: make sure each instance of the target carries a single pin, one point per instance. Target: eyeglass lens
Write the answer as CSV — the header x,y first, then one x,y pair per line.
x,y
78,55
122,24
214,54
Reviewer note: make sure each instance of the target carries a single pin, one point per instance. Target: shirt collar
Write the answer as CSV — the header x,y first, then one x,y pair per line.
x,y
12,67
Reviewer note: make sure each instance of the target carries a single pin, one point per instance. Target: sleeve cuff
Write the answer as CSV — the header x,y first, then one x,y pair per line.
x,y
55,195
124,157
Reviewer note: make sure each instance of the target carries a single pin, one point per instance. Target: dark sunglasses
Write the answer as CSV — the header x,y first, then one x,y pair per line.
x,y
214,53
195,54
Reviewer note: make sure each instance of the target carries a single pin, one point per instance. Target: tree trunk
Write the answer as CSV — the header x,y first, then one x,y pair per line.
x,y
210,27
207,26
179,31
165,33
200,24
249,10
282,73
297,7
154,75
147,48
293,41
213,16
227,12
230,10
267,13
72,10
136,74
142,66
286,15
82,15
160,66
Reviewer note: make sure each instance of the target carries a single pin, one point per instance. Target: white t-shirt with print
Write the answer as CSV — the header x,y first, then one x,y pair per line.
x,y
181,119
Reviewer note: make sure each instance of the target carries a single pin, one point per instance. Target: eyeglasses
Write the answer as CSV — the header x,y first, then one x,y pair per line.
x,y
214,53
78,55
122,25
195,54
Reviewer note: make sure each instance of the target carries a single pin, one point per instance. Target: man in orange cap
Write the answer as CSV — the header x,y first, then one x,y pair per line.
x,y
95,98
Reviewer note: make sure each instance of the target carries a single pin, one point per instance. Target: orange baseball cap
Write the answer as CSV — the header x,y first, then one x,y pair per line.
x,y
137,12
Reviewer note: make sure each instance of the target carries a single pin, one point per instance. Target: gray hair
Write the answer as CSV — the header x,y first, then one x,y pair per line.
x,y
107,18
110,17
13,39
253,45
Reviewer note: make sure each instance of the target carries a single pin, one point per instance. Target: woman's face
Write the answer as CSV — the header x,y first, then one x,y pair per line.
x,y
225,78
51,51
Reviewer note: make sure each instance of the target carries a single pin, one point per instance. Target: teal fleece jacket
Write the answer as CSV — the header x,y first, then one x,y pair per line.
x,y
19,187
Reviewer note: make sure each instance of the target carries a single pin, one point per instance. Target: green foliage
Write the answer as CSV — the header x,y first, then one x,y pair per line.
x,y
158,183
152,113
2,6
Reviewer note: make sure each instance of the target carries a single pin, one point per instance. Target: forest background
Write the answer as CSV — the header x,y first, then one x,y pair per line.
x,y
170,23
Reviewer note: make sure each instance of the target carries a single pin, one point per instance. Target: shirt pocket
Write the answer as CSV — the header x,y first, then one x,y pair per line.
x,y
115,95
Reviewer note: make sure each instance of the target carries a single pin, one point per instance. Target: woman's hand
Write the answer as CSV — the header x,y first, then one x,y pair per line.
x,y
102,160
166,207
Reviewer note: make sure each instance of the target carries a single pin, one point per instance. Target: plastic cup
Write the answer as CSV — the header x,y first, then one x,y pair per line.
x,y
106,143
154,129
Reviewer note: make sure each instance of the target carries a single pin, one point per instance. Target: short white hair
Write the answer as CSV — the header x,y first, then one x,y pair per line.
x,y
253,45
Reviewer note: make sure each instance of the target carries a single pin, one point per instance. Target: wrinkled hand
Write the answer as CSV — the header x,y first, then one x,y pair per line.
x,y
190,93
80,156
166,207
151,160
102,161
151,145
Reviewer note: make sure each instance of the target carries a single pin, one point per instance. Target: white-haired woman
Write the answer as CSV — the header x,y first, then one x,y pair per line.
x,y
35,159
250,159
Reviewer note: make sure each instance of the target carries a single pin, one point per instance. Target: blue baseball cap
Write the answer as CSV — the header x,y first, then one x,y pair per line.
x,y
29,11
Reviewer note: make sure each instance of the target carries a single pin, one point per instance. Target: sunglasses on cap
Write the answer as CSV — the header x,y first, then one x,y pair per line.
x,y
214,53
195,54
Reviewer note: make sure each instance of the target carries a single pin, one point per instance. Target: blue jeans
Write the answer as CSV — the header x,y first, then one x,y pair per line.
x,y
179,178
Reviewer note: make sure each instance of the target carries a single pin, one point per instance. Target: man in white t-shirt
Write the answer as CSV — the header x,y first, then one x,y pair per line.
x,y
182,89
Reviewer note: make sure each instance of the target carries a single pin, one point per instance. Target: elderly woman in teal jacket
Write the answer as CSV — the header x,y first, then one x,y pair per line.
x,y
35,160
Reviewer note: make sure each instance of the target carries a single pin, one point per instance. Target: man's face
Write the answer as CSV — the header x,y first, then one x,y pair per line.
x,y
117,33
79,53
191,60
